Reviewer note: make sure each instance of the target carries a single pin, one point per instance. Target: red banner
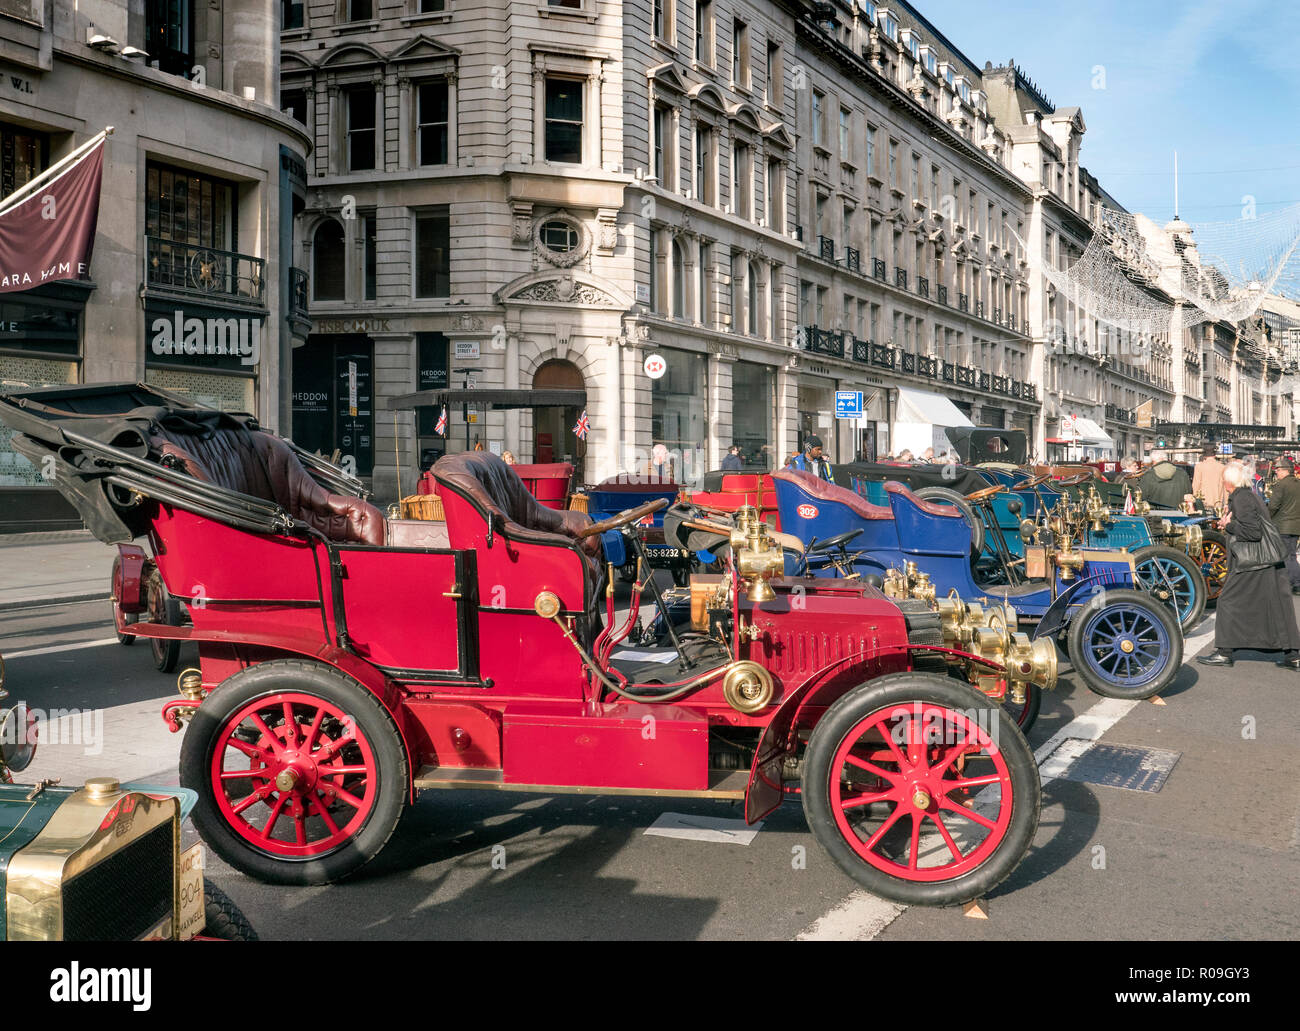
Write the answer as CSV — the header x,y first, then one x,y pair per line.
x,y
48,235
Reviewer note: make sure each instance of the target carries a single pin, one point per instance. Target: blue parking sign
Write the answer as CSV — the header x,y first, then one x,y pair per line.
x,y
848,404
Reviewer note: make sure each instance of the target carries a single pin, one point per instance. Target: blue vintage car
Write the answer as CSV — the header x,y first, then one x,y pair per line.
x,y
1124,643
624,492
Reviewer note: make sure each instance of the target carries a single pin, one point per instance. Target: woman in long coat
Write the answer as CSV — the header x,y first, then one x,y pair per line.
x,y
1255,608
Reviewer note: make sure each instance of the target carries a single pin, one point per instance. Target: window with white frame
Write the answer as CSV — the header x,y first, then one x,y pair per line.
x,y
890,26
846,142
664,20
893,164
704,32
563,119
431,122
871,150
774,202
359,116
818,116
869,12
665,147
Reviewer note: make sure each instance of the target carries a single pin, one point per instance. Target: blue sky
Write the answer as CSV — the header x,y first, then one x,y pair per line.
x,y
1218,82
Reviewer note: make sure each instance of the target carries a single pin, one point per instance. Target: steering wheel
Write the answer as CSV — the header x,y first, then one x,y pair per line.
x,y
628,515
1075,480
987,492
838,541
1037,481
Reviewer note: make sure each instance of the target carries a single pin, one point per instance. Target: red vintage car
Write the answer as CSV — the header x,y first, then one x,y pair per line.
x,y
346,664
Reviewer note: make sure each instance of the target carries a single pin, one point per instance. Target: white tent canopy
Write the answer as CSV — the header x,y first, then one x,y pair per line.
x,y
921,419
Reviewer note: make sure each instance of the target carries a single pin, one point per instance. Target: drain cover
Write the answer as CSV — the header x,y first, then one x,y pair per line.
x,y
1122,766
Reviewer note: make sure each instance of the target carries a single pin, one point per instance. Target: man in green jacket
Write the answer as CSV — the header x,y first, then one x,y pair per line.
x,y
1164,485
1284,507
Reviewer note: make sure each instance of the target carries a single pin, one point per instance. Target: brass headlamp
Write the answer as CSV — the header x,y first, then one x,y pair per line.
x,y
757,557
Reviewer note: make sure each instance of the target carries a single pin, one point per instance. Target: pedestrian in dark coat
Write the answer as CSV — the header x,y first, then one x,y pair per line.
x,y
1284,507
1255,609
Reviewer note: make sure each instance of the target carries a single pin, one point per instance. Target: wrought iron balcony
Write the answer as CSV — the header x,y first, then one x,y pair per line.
x,y
883,356
966,376
943,294
862,350
927,366
900,277
1011,320
204,271
298,280
852,259
949,373
1031,392
984,380
825,248
909,362
963,302
1017,389
997,316
878,268
923,286
823,341
1001,385
979,309
1119,414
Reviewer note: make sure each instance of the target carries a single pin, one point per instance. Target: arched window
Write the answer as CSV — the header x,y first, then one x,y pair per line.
x,y
752,317
679,281
328,276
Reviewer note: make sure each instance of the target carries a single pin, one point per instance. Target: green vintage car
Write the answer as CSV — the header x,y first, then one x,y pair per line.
x,y
100,862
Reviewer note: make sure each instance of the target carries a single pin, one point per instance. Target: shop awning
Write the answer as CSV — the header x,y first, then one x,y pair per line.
x,y
1080,430
491,398
924,407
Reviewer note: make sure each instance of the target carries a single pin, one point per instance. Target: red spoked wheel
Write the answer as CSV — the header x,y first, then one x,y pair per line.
x,y
301,773
922,789
296,776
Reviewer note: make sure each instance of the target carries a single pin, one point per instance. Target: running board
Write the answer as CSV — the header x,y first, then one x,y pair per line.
x,y
725,785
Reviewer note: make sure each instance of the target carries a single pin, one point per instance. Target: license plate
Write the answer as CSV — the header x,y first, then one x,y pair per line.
x,y
663,552
190,892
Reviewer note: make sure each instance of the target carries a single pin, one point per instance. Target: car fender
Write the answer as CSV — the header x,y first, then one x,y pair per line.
x,y
1057,616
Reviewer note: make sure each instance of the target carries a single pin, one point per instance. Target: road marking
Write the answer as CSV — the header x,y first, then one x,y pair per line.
x,y
55,648
860,917
1192,643
704,828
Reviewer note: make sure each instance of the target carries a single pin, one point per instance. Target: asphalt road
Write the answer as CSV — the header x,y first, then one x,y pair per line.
x,y
1214,854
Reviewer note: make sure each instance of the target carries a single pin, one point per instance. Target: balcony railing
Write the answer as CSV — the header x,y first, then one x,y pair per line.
x,y
997,316
966,376
204,271
298,280
823,341
949,373
943,294
963,302
927,366
1011,320
909,362
984,381
825,248
852,259
1030,392
900,277
883,356
923,286
1001,385
862,350
1117,413
878,268
979,309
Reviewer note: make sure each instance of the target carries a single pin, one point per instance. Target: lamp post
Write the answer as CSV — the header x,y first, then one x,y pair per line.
x,y
464,408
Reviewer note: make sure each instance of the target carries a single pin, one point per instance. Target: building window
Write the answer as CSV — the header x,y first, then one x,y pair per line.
x,y
328,275
560,237
360,10
665,148
705,303
751,300
775,200
871,150
891,27
773,302
742,179
291,14
679,281
846,151
169,34
23,156
431,6
564,120
431,122
370,233
185,207
704,164
360,113
818,125
433,253
775,75
294,103
740,54
704,32
664,17
893,164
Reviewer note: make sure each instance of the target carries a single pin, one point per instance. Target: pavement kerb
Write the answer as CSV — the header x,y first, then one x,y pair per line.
x,y
57,599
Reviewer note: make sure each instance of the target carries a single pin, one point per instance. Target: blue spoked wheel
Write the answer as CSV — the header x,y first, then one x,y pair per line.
x,y
1125,644
1174,577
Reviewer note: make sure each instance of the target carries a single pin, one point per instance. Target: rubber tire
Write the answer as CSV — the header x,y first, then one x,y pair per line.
x,y
1128,598
1211,594
166,653
627,572
946,496
222,919
272,677
903,688
1193,570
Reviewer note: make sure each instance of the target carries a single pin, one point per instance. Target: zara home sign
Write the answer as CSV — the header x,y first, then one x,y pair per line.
x,y
180,336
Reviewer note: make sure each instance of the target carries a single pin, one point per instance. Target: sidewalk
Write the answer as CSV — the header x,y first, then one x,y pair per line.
x,y
48,568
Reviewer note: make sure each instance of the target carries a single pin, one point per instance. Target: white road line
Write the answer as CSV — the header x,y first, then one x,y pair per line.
x,y
55,648
860,917
703,828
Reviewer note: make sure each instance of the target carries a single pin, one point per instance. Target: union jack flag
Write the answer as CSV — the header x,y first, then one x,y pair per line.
x,y
441,427
583,426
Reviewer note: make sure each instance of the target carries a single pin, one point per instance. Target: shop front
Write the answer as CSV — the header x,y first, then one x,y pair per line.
x,y
333,409
209,354
679,418
40,346
816,407
753,414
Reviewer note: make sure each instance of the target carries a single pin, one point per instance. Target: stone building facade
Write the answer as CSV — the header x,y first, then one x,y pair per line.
x,y
201,176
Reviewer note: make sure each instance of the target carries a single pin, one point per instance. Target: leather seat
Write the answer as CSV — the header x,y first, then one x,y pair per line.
x,y
823,490
493,487
261,464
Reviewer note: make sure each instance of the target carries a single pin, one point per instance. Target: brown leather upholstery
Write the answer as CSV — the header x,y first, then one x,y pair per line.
x,y
494,487
934,508
258,463
827,491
